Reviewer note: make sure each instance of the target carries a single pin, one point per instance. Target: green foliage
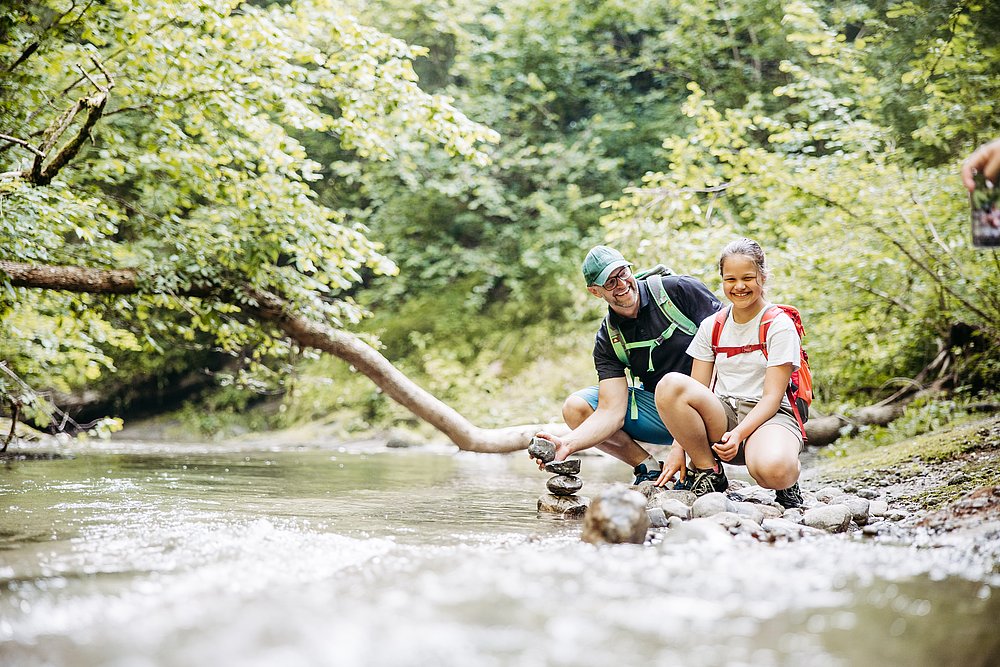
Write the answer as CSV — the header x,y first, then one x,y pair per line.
x,y
192,175
874,249
287,146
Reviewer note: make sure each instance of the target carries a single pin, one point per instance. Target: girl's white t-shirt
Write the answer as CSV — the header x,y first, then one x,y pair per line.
x,y
742,375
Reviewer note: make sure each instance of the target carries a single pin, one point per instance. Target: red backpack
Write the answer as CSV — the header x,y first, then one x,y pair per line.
x,y
800,393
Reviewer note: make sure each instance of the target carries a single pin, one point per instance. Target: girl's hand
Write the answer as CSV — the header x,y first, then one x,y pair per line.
x,y
673,464
728,445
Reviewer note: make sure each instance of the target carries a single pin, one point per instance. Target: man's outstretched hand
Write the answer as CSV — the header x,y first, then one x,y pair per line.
x,y
562,449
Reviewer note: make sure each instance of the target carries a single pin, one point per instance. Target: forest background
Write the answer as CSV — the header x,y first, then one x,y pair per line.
x,y
428,174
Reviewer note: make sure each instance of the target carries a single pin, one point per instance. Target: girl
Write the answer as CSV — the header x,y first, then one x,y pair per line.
x,y
747,420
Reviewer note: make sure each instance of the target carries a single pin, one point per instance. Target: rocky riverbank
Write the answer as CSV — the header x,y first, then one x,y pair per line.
x,y
932,485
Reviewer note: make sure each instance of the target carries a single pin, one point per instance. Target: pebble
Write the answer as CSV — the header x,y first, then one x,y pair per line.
x,y
793,514
711,503
659,495
859,507
831,518
828,493
878,508
567,467
657,518
755,494
674,507
789,530
697,530
750,511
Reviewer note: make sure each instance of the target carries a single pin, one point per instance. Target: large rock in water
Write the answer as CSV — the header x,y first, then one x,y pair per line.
x,y
616,516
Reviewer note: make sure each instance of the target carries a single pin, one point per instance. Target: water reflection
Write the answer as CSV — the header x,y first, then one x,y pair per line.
x,y
165,556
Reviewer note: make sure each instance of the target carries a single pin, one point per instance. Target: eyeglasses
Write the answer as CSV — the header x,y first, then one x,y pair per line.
x,y
621,276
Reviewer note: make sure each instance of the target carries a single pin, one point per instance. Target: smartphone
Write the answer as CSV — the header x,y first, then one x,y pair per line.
x,y
985,201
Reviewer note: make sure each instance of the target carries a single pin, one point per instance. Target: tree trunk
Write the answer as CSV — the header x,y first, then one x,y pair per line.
x,y
824,430
308,333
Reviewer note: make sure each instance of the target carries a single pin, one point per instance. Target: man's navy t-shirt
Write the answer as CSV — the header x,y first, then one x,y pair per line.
x,y
690,296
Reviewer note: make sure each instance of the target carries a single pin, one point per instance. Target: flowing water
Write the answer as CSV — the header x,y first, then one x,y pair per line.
x,y
130,554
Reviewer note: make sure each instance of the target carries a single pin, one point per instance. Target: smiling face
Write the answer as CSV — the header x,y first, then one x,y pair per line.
x,y
742,282
623,296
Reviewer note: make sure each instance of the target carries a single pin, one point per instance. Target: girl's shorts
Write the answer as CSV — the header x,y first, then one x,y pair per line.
x,y
737,409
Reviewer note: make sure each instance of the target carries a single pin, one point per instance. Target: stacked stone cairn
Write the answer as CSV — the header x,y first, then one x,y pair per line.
x,y
561,499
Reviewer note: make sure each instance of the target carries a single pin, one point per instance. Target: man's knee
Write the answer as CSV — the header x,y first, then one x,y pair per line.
x,y
575,410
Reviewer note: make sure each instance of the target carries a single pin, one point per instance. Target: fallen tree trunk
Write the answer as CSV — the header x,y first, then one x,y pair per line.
x,y
270,307
823,431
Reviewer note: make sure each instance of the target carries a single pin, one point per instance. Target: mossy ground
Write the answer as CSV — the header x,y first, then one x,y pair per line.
x,y
921,473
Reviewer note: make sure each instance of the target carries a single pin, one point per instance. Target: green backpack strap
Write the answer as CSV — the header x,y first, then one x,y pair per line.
x,y
658,270
618,344
670,310
617,340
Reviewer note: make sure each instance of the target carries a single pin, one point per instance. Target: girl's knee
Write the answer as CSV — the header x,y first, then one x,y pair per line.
x,y
773,461
775,473
671,386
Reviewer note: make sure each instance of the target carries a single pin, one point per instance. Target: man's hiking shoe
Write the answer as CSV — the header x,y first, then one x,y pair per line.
x,y
707,481
643,475
685,484
790,497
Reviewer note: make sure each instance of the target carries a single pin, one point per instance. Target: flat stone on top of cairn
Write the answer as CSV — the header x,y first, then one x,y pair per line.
x,y
542,449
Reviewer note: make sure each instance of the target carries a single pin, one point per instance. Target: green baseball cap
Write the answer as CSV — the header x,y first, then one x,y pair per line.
x,y
600,262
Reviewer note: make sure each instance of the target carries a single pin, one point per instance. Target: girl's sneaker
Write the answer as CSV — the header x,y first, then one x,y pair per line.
x,y
708,481
790,497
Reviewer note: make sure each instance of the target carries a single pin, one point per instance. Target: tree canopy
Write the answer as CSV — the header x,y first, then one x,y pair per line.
x,y
227,153
159,136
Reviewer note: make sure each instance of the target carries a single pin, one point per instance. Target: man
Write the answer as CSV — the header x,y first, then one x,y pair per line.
x,y
651,322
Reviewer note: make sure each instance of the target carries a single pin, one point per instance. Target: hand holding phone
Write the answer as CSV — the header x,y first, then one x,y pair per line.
x,y
985,203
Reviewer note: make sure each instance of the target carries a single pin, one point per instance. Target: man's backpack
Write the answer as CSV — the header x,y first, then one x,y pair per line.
x,y
677,319
800,393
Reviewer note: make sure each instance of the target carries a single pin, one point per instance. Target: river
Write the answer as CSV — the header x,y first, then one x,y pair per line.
x,y
128,554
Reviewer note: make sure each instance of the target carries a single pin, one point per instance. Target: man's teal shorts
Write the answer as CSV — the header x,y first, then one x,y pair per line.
x,y
647,427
